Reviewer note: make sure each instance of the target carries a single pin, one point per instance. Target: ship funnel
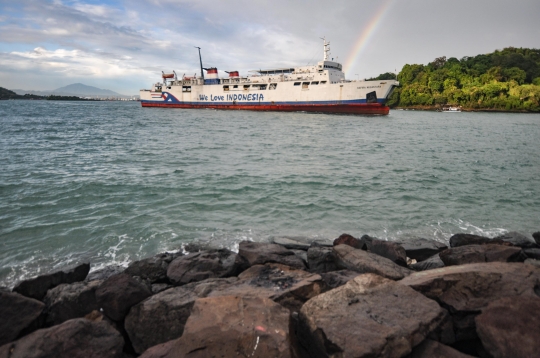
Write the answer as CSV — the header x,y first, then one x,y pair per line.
x,y
211,76
233,74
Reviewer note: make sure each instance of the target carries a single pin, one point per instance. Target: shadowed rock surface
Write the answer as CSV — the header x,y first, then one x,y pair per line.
x,y
510,327
536,237
17,313
162,317
469,239
292,243
153,269
231,326
369,316
391,250
198,266
104,273
259,253
117,294
71,339
481,253
361,261
421,249
518,239
321,259
429,264
346,239
68,301
37,287
338,278
434,349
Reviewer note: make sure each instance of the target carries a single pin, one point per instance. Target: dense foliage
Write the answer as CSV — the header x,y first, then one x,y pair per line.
x,y
7,94
503,80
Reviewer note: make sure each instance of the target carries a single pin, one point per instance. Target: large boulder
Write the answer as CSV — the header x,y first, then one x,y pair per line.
x,y
68,301
285,285
104,273
517,239
361,261
152,269
162,317
466,290
231,326
470,239
37,287
421,249
391,250
481,253
433,349
198,266
17,314
370,316
429,264
293,243
74,338
259,253
510,327
532,253
119,293
321,259
346,239
536,237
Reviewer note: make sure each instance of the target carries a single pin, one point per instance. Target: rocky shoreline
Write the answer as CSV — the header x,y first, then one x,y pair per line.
x,y
353,297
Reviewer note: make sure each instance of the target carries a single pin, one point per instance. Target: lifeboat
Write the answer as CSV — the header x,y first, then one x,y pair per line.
x,y
168,75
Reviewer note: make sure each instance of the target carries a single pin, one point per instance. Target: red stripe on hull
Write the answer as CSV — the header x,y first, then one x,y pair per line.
x,y
372,108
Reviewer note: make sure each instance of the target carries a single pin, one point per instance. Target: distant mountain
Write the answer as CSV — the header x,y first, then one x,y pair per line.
x,y
75,89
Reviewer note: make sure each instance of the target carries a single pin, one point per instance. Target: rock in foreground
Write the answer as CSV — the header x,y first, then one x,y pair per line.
x,y
370,316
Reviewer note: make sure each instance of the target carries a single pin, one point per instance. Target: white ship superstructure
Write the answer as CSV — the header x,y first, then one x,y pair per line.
x,y
317,88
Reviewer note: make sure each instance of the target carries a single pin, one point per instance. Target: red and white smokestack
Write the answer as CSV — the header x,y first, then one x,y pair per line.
x,y
211,73
233,74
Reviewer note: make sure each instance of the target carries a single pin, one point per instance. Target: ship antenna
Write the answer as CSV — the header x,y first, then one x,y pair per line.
x,y
326,48
200,60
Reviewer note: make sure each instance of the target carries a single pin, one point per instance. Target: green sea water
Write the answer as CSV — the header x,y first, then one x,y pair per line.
x,y
111,182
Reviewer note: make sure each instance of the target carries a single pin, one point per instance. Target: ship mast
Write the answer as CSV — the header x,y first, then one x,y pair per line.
x,y
200,60
326,48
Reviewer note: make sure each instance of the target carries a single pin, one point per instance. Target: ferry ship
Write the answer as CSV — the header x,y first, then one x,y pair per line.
x,y
316,88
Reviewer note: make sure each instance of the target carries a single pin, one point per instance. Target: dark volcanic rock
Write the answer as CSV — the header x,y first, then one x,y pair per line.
x,y
153,269
198,266
293,243
467,289
338,278
346,239
431,263
321,259
391,250
68,301
469,239
37,287
369,316
231,326
510,327
532,253
421,249
117,294
434,349
259,253
104,273
74,338
17,313
517,239
536,237
285,285
162,317
365,262
481,253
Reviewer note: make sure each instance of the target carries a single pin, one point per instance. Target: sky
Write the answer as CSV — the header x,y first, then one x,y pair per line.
x,y
123,45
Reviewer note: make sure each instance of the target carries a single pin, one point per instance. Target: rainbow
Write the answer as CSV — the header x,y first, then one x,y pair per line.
x,y
366,35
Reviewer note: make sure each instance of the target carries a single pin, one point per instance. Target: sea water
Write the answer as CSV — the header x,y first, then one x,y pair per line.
x,y
112,182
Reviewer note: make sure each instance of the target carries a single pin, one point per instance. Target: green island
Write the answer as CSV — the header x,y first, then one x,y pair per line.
x,y
7,94
506,80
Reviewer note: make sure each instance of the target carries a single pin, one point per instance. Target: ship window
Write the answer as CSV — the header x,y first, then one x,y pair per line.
x,y
246,87
225,88
315,82
235,86
186,89
297,83
323,82
305,85
273,86
168,87
262,87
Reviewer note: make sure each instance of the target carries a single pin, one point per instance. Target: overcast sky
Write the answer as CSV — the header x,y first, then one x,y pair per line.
x,y
124,45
